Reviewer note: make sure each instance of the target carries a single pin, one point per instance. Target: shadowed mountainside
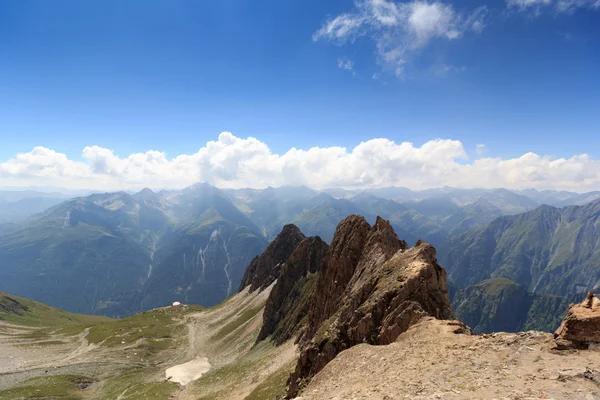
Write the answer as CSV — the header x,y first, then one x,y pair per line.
x,y
547,250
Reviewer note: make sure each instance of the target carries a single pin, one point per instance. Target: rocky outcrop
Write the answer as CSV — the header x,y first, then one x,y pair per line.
x,y
581,325
10,306
289,300
370,289
431,361
265,268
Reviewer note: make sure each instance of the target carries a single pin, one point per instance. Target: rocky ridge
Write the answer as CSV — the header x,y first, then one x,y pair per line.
x,y
369,287
431,361
265,268
289,300
514,366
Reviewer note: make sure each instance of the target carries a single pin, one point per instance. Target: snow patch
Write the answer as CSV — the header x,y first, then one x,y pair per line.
x,y
188,372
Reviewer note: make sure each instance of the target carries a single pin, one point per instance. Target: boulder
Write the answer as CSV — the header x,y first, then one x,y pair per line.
x,y
581,325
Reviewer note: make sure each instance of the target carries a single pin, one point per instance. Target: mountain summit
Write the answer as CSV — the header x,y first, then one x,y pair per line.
x,y
265,268
367,287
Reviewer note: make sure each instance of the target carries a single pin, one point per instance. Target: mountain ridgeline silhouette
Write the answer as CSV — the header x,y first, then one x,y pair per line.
x,y
116,254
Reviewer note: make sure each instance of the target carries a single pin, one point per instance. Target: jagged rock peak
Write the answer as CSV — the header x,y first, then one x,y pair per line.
x,y
290,230
289,299
265,268
356,246
581,325
371,288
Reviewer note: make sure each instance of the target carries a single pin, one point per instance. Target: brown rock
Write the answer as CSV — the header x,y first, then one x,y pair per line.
x,y
581,325
289,299
265,268
371,289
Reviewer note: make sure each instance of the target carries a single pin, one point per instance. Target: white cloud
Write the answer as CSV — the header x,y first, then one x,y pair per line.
x,y
569,6
560,6
567,37
400,30
480,149
477,20
346,64
231,161
523,4
428,20
445,69
339,29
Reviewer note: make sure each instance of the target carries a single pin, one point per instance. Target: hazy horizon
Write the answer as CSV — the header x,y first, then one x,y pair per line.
x,y
86,191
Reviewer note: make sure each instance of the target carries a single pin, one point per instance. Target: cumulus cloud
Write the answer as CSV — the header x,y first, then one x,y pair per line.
x,y
235,162
400,30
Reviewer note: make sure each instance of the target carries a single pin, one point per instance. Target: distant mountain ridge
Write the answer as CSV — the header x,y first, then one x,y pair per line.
x,y
120,253
117,254
17,205
501,305
547,250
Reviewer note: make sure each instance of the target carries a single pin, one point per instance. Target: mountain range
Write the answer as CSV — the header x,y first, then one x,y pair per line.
x,y
548,250
368,316
119,253
116,253
17,205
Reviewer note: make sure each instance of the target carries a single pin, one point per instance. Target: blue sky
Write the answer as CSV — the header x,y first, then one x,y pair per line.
x,y
171,75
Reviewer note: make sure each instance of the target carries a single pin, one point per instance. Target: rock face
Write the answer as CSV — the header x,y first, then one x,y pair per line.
x,y
581,325
289,300
370,289
265,268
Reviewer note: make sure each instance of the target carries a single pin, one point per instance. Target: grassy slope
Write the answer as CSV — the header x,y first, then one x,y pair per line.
x,y
147,339
156,339
20,311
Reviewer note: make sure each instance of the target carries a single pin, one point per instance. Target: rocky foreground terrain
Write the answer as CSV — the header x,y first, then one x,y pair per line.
x,y
367,317
439,360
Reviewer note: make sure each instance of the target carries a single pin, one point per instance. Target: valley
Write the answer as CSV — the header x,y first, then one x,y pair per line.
x,y
363,317
116,254
129,359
